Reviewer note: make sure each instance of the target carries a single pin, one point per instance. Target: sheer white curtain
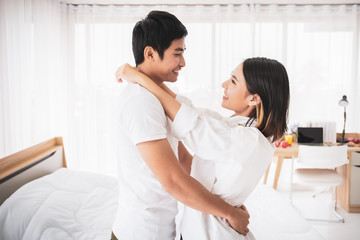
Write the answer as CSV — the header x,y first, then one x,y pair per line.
x,y
33,73
58,63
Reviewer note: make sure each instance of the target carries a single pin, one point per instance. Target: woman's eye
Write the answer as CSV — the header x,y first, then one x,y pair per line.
x,y
232,80
177,54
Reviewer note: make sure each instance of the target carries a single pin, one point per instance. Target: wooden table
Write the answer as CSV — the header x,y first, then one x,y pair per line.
x,y
343,191
281,154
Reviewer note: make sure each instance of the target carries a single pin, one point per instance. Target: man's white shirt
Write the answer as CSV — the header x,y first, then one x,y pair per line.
x,y
146,210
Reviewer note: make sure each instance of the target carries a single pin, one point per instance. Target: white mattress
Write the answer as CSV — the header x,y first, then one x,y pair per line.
x,y
66,204
71,204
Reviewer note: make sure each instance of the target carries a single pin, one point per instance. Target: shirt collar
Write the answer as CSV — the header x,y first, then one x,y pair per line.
x,y
239,120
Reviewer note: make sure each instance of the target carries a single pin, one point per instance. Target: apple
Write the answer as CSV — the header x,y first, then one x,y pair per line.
x,y
277,144
356,140
350,139
284,144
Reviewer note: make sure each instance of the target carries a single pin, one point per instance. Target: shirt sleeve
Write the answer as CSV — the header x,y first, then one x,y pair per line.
x,y
208,137
143,119
183,99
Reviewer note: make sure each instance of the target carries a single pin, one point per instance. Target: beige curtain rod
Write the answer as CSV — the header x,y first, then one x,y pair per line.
x,y
207,3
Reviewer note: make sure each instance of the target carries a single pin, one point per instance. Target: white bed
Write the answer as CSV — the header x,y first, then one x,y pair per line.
x,y
68,204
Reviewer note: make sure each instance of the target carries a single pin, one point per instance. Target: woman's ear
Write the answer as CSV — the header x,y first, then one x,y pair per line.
x,y
149,54
255,100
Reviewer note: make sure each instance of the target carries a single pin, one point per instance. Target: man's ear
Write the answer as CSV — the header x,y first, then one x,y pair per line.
x,y
255,100
149,54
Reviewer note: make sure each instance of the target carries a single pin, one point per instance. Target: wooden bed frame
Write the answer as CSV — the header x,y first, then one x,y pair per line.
x,y
29,164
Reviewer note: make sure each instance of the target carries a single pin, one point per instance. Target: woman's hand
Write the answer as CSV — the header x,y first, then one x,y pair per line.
x,y
128,73
131,74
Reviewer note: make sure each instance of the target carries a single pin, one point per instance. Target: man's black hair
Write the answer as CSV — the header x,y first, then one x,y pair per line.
x,y
157,30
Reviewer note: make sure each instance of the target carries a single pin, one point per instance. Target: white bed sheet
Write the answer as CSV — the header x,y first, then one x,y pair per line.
x,y
66,204
70,204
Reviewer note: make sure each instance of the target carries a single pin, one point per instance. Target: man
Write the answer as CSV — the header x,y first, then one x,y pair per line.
x,y
151,177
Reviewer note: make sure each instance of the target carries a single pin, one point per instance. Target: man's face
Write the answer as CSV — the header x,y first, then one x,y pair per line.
x,y
167,69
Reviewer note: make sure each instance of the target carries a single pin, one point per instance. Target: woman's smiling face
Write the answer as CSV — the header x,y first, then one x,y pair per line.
x,y
236,95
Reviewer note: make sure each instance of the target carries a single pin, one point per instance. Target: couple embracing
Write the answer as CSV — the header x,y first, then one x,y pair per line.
x,y
229,154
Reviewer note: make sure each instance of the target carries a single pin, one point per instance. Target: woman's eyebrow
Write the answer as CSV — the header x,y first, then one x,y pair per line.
x,y
232,75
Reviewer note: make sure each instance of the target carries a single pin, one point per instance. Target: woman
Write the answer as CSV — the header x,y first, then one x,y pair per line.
x,y
230,154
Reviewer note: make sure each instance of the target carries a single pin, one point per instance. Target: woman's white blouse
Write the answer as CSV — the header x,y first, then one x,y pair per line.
x,y
229,160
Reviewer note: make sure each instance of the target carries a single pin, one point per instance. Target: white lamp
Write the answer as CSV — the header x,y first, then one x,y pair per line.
x,y
343,103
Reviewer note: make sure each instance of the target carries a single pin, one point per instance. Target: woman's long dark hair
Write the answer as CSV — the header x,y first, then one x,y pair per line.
x,y
268,78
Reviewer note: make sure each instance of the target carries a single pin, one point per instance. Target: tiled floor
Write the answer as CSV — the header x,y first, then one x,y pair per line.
x,y
318,207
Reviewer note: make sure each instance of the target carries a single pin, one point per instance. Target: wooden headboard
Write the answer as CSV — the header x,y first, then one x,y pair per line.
x,y
29,164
